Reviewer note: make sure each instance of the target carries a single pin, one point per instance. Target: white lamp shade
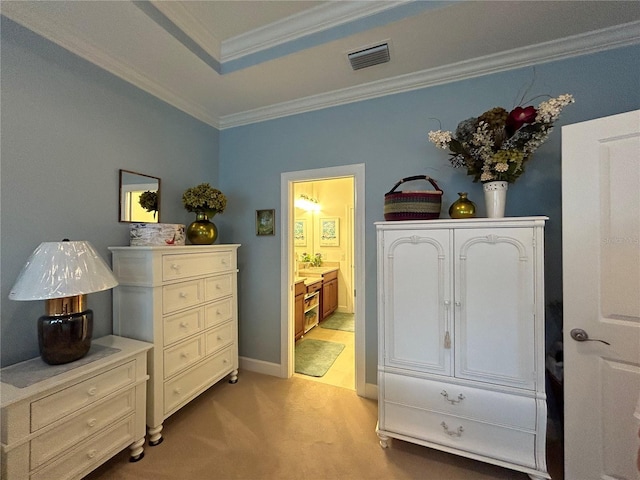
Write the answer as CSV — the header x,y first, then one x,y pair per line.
x,y
62,269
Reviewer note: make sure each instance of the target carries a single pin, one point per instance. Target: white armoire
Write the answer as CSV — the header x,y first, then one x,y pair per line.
x,y
461,338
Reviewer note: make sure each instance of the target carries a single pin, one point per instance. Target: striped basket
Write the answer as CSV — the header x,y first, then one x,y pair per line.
x,y
413,205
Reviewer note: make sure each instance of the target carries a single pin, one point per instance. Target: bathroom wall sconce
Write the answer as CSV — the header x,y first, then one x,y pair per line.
x,y
307,203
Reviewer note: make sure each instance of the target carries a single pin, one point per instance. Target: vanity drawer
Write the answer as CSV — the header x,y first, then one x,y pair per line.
x,y
484,405
182,295
219,337
179,266
182,355
181,325
49,409
475,437
219,286
69,434
84,458
219,312
182,388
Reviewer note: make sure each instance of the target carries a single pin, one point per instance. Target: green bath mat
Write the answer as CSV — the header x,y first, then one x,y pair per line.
x,y
315,357
340,321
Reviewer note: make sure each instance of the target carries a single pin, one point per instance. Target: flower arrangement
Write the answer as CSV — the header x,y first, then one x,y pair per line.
x,y
149,201
204,198
496,145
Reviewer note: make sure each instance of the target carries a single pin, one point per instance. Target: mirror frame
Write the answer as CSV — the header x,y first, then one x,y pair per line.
x,y
120,192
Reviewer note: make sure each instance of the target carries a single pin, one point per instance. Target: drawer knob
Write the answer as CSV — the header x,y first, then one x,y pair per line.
x,y
219,338
92,453
184,354
454,433
184,324
92,391
92,422
452,401
183,294
177,390
175,267
218,287
225,361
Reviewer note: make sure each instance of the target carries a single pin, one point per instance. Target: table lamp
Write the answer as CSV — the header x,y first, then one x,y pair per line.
x,y
63,273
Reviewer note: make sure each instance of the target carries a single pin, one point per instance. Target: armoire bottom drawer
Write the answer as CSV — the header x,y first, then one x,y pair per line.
x,y
182,388
476,437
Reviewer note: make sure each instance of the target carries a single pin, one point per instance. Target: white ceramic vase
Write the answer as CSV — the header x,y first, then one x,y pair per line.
x,y
495,198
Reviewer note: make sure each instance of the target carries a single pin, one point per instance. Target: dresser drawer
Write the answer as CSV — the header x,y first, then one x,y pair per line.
x,y
219,312
219,337
182,388
181,325
182,295
183,355
484,405
219,286
69,434
475,437
88,454
179,266
49,409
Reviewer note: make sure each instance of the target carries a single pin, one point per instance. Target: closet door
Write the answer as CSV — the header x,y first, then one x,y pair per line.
x,y
494,302
417,286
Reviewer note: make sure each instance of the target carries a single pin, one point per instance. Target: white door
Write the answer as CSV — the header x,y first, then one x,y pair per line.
x,y
601,277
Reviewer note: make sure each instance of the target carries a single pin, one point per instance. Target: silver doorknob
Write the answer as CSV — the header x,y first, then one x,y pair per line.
x,y
579,335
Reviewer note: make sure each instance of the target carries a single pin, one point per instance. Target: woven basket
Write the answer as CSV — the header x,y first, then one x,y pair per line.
x,y
413,205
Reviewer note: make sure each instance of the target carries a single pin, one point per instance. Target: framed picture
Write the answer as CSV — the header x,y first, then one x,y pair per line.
x,y
265,222
300,233
329,232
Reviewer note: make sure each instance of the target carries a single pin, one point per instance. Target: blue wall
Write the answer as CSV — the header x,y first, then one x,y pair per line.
x,y
389,135
67,128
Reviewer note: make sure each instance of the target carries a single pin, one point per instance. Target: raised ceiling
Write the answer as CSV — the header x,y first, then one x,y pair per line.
x,y
230,63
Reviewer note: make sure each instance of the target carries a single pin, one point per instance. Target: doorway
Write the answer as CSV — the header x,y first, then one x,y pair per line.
x,y
350,226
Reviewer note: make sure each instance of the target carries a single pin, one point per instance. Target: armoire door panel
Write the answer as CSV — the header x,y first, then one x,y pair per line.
x,y
494,306
417,270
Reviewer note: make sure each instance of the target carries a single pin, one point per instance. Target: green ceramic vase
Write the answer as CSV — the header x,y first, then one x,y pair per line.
x,y
202,231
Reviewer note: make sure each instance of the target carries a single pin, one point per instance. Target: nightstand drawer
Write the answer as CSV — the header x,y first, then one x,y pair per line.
x,y
179,266
181,325
182,355
49,409
69,434
219,337
182,388
182,295
219,286
104,445
219,312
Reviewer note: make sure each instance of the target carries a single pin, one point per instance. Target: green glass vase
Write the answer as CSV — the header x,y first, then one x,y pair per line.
x,y
462,207
202,231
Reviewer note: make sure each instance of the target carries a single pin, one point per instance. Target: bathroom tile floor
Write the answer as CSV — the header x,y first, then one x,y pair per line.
x,y
342,372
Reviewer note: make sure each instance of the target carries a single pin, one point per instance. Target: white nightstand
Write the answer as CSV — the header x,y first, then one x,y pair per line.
x,y
63,421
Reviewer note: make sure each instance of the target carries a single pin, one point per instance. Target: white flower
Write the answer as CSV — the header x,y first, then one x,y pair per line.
x,y
440,138
549,111
501,167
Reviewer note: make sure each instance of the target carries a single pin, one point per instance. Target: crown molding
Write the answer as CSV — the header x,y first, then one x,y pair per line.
x,y
301,24
582,44
59,35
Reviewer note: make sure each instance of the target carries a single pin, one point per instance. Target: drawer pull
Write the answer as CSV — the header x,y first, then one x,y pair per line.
x,y
452,402
218,287
184,355
175,267
92,391
456,433
92,423
183,295
92,453
177,390
219,338
184,324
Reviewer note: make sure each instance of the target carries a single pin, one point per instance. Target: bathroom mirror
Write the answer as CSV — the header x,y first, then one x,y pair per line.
x,y
139,197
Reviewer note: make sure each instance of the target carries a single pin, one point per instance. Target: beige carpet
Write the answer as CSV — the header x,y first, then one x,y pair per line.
x,y
265,427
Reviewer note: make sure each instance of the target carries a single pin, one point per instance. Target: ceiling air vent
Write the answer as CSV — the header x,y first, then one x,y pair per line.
x,y
369,57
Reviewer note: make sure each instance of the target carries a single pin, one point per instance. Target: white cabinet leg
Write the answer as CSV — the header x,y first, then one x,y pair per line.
x,y
155,437
136,450
234,377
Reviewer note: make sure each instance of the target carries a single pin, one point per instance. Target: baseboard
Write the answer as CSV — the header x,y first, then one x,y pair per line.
x,y
260,366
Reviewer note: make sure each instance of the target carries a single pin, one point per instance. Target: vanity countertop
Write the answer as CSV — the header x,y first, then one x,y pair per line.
x,y
316,271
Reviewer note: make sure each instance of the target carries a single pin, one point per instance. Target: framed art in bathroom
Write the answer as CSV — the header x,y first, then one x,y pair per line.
x,y
265,222
330,232
300,233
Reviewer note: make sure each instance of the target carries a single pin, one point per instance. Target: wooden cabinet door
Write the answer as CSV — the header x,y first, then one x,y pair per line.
x,y
417,315
494,306
329,298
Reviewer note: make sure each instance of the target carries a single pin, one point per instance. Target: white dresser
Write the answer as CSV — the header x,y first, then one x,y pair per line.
x,y
63,421
183,299
461,338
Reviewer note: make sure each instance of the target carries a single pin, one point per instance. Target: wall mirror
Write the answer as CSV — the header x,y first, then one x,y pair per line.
x,y
139,197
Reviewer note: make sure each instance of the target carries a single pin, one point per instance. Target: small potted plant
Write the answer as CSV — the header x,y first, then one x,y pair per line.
x,y
206,202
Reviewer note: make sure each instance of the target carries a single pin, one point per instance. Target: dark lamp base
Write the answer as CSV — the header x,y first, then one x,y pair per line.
x,y
65,338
